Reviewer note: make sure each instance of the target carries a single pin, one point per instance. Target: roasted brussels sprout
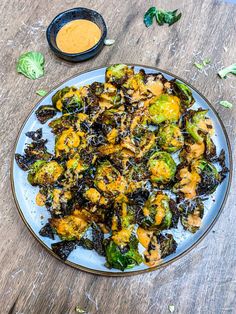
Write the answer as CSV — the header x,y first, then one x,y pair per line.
x,y
122,257
159,247
162,167
67,100
118,73
44,173
70,227
33,151
164,108
192,213
192,150
108,179
198,125
45,112
210,178
188,180
156,213
170,138
184,93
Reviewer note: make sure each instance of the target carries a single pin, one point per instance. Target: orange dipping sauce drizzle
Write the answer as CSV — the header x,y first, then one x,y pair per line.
x,y
78,36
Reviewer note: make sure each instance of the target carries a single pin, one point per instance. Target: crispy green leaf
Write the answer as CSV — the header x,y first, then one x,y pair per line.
x,y
41,92
149,15
31,65
230,69
226,104
162,16
202,65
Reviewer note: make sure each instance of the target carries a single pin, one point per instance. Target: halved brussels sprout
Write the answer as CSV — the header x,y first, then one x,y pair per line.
x,y
184,93
156,213
122,257
159,247
192,150
108,179
118,73
66,121
69,141
70,227
67,100
210,178
45,112
198,125
170,138
44,173
192,213
162,167
164,108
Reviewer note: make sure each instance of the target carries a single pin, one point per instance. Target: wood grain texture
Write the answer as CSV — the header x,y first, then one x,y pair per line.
x,y
31,280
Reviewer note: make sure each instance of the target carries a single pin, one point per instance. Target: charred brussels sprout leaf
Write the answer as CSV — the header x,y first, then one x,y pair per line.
x,y
35,135
44,113
118,73
170,138
162,167
122,258
210,178
191,214
64,248
67,100
165,108
47,231
86,243
44,173
184,93
167,244
98,238
210,148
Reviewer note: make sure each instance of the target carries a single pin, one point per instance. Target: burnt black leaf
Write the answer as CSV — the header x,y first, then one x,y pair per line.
x,y
64,248
45,112
35,135
47,231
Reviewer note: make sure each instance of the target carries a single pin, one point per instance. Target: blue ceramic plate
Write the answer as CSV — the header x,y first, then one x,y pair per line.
x,y
90,261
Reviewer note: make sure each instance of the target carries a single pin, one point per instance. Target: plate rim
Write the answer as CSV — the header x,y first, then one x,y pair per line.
x,y
137,272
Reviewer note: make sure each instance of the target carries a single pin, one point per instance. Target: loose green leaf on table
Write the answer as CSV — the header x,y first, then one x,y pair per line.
x,y
230,69
162,17
41,92
31,64
202,65
226,104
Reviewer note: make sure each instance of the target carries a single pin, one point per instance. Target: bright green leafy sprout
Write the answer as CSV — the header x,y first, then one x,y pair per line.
x,y
31,65
41,92
230,69
226,104
156,213
118,73
162,167
165,108
196,122
162,16
122,258
44,173
170,138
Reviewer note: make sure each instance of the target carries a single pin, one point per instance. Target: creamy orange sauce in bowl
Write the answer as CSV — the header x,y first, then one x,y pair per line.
x,y
78,36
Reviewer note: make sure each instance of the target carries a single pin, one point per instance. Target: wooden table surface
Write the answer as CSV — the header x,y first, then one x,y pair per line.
x,y
31,280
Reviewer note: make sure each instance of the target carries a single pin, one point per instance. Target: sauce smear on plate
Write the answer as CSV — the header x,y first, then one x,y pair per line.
x,y
78,36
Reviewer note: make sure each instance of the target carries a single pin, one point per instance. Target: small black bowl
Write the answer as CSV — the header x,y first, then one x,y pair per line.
x,y
70,15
